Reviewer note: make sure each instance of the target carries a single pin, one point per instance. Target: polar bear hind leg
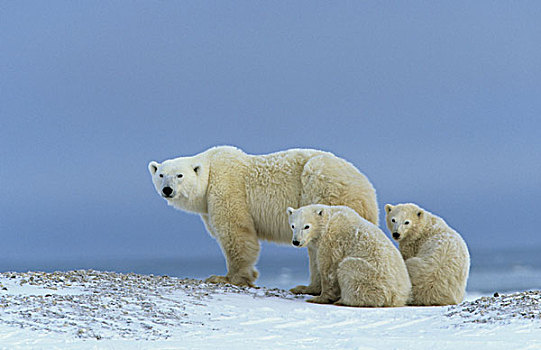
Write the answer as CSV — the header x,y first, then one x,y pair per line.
x,y
359,285
431,284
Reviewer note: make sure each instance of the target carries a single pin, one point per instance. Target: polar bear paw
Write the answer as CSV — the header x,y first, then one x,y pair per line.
x,y
238,280
217,279
311,290
320,300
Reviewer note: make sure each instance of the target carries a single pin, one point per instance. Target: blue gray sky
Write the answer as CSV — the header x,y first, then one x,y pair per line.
x,y
438,103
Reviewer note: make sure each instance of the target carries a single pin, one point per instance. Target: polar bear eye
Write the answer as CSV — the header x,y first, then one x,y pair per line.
x,y
406,222
393,220
179,176
292,226
306,227
161,175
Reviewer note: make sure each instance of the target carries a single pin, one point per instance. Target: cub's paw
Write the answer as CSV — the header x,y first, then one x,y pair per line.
x,y
305,290
339,302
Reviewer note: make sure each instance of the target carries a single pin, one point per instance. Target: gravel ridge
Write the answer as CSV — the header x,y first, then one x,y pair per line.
x,y
107,305
95,304
500,308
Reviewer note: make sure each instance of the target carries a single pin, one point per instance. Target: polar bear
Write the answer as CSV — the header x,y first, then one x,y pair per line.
x,y
358,264
436,255
241,198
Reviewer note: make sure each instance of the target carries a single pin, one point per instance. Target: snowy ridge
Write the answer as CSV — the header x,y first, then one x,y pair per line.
x,y
500,308
106,305
90,309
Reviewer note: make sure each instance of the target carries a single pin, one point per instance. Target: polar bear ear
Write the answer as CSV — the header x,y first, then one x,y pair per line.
x,y
290,210
153,167
388,208
420,214
197,168
320,212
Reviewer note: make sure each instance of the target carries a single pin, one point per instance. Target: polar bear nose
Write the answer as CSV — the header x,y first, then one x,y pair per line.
x,y
296,243
396,235
167,191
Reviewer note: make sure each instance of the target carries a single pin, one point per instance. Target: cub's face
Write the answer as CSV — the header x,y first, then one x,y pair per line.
x,y
402,219
305,223
178,180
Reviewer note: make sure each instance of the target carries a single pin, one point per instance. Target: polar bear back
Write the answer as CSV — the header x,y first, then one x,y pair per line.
x,y
299,177
273,183
333,181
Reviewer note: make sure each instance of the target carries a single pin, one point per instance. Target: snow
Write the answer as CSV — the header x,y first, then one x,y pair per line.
x,y
102,310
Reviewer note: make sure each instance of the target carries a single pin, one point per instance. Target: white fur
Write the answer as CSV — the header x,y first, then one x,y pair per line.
x,y
436,255
241,198
357,263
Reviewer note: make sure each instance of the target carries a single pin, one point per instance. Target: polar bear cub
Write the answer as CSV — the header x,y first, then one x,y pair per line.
x,y
436,255
358,265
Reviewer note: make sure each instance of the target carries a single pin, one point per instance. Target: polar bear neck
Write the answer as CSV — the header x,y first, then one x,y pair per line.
x,y
195,204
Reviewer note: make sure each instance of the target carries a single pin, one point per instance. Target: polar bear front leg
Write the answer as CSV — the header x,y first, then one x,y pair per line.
x,y
330,289
238,240
315,278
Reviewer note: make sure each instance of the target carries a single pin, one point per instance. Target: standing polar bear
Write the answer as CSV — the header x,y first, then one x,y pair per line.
x,y
242,198
436,256
358,264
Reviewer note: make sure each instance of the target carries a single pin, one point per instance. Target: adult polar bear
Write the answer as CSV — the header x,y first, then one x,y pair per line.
x,y
242,198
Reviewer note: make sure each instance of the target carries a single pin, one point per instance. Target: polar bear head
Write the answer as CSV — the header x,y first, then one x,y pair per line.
x,y
182,182
307,223
403,220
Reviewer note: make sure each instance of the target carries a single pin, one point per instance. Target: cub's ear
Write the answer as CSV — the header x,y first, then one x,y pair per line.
x,y
153,167
197,168
388,208
290,210
320,212
420,214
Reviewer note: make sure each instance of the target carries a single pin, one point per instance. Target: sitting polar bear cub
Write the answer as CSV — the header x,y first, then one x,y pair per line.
x,y
436,256
241,197
358,264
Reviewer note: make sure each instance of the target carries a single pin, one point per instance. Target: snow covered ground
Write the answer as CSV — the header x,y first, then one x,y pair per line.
x,y
100,310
